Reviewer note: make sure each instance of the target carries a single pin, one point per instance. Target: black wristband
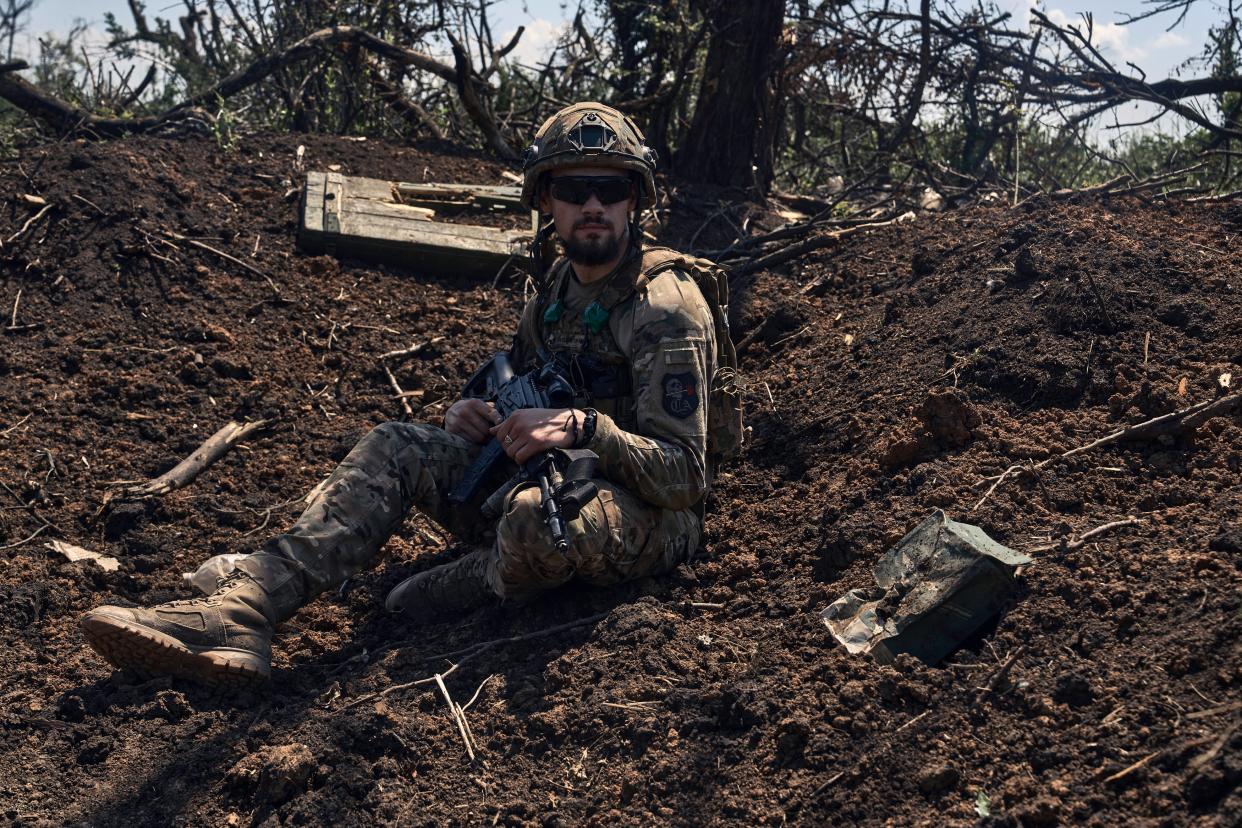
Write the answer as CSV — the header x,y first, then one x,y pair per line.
x,y
588,427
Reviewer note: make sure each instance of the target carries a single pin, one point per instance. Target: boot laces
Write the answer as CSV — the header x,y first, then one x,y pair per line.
x,y
222,583
231,578
453,581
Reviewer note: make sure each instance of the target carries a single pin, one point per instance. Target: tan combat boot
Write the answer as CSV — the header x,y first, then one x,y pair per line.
x,y
223,639
455,587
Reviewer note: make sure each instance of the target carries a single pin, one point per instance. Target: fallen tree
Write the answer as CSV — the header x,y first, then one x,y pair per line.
x,y
68,118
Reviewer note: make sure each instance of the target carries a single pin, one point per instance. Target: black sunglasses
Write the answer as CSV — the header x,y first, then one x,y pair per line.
x,y
577,189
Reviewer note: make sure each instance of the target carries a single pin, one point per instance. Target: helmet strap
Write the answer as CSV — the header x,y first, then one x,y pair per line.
x,y
541,246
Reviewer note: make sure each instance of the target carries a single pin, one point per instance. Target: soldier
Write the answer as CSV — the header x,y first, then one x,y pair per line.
x,y
644,348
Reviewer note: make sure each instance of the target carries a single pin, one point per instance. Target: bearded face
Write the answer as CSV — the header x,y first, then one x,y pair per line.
x,y
595,241
590,207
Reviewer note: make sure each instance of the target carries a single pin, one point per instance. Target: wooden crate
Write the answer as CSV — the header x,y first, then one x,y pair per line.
x,y
395,222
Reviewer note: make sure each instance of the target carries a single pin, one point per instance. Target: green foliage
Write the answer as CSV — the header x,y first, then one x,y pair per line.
x,y
224,126
845,85
12,123
1225,40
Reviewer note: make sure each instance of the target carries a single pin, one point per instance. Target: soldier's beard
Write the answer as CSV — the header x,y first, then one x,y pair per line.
x,y
601,249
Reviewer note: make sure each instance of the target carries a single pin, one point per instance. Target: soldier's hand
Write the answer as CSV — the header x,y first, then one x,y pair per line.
x,y
472,419
529,431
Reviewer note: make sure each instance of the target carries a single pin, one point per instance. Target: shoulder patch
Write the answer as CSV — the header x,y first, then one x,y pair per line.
x,y
681,394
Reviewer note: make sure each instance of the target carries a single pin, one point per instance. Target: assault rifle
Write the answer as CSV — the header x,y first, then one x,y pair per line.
x,y
563,475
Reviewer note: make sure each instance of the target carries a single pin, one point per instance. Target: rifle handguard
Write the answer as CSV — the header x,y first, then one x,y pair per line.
x,y
465,491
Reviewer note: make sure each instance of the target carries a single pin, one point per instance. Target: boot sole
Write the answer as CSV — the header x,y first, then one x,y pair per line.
x,y
150,653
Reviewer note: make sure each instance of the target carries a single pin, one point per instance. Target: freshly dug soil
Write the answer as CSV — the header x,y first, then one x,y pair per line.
x,y
885,377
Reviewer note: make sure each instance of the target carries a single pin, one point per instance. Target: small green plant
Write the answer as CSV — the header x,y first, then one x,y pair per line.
x,y
983,805
224,127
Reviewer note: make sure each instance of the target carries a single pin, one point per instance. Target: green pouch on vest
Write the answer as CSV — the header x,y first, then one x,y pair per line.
x,y
594,317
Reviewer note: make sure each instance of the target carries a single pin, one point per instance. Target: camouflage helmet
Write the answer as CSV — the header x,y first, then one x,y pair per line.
x,y
588,134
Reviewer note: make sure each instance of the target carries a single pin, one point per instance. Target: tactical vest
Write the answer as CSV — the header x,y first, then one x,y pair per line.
x,y
600,369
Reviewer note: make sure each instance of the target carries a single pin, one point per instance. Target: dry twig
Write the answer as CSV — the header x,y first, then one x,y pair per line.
x,y
396,688
459,717
475,697
467,653
998,678
29,223
396,387
1122,774
1210,754
1187,419
412,350
1215,711
201,246
912,721
13,327
26,540
14,427
185,472
793,251
1074,543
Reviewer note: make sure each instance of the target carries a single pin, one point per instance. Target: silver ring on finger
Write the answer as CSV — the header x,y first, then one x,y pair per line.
x,y
508,439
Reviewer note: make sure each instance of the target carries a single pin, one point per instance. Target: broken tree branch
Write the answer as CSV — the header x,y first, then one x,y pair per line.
x,y
794,251
474,105
185,472
62,115
411,111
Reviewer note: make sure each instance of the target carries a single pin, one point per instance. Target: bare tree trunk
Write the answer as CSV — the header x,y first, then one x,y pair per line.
x,y
732,135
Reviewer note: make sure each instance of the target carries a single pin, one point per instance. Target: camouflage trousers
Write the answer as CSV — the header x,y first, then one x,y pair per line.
x,y
397,466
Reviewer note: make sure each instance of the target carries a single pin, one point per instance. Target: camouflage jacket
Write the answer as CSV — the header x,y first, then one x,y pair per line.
x,y
642,354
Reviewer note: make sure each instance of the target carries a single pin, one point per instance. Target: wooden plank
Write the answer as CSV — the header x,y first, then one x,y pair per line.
x,y
460,196
431,233
358,217
333,197
312,202
464,195
496,191
402,212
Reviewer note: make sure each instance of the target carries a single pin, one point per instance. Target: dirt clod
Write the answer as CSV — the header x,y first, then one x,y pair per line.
x,y
1039,813
273,775
1073,689
94,750
948,417
938,779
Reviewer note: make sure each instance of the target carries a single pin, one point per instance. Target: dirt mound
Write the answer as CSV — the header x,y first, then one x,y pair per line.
x,y
887,376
